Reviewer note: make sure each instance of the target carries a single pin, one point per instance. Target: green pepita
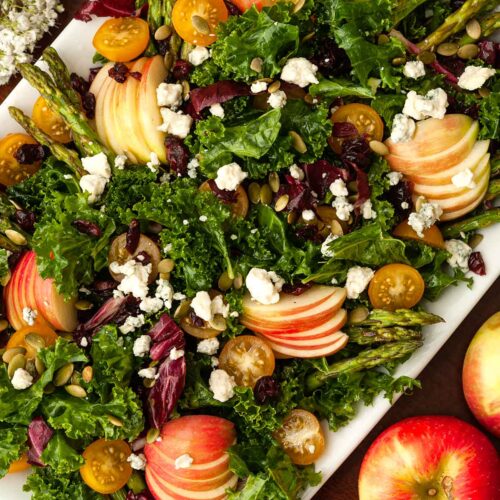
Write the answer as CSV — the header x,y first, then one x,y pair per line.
x,y
10,353
18,361
34,340
63,375
75,391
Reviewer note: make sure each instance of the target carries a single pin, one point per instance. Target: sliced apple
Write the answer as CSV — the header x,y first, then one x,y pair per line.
x,y
456,214
13,292
99,88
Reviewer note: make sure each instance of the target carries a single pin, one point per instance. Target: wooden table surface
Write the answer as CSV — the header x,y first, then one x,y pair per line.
x,y
441,392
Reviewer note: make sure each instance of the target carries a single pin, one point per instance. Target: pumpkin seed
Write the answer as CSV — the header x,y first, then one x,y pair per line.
x,y
40,367
182,309
225,282
468,51
115,421
87,374
186,89
427,57
266,194
308,37
352,186
163,32
265,80
165,276
152,435
148,382
447,49
200,24
18,361
3,324
281,203
5,279
473,29
379,148
10,353
484,92
75,378
165,266
34,340
475,240
274,181
75,391
49,388
420,201
16,237
383,39
297,142
238,281
256,64
63,374
84,305
66,335
292,217
398,61
31,368
358,315
218,323
336,228
168,60
309,99
298,6
254,192
274,87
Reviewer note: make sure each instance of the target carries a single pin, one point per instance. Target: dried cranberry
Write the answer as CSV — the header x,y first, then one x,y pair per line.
x,y
476,263
321,174
25,219
223,194
329,57
87,227
296,288
29,153
88,104
133,236
356,151
119,72
104,286
177,154
143,258
401,194
130,307
143,495
489,52
309,232
136,74
13,259
344,129
196,320
163,46
266,389
232,9
79,84
453,64
181,69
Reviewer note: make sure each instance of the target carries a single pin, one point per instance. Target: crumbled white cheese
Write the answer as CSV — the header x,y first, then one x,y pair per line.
x,y
217,110
222,385
296,172
94,185
178,296
84,342
308,215
338,188
120,161
214,362
177,124
183,462
230,176
300,71
428,214
142,345
203,218
325,247
208,346
367,210
154,162
277,99
258,87
394,178
21,379
29,315
192,168
460,253
198,56
474,77
151,305
206,308
135,280
147,373
342,207
403,128
234,314
414,69
176,353
405,205
165,292
218,306
264,286
357,281
137,462
132,323
464,179
234,237
433,104
169,95
97,165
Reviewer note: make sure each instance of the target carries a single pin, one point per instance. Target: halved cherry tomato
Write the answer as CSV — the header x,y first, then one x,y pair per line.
x,y
244,5
50,122
122,39
106,469
196,21
11,171
240,206
366,120
247,358
301,437
20,464
431,236
18,339
396,286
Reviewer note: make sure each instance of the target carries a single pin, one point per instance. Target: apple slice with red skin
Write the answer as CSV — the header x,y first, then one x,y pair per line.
x,y
305,343
430,457
481,375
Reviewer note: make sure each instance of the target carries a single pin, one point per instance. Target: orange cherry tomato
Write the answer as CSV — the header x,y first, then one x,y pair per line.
x,y
396,286
238,207
20,464
301,437
11,171
196,21
247,358
366,120
244,5
106,469
50,122
18,339
122,39
432,236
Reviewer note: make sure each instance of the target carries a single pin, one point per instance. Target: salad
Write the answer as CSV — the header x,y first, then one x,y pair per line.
x,y
225,232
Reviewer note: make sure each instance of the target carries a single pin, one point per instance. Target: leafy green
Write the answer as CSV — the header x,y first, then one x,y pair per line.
x,y
68,256
205,74
4,264
60,456
387,106
331,89
12,445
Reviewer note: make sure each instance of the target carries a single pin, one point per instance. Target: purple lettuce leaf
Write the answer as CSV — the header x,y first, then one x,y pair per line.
x,y
39,434
321,174
217,93
105,8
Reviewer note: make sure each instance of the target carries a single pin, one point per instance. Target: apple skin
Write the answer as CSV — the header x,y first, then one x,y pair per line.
x,y
481,375
426,453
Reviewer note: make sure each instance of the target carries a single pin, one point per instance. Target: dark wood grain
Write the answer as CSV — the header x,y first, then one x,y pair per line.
x,y
441,392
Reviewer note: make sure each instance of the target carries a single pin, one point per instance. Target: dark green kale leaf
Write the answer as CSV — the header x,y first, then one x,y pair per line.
x,y
380,185
60,456
330,89
4,264
387,106
205,74
12,445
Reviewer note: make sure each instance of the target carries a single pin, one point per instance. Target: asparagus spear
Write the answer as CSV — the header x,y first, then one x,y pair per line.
x,y
456,22
484,219
493,189
367,335
489,24
402,317
363,361
60,151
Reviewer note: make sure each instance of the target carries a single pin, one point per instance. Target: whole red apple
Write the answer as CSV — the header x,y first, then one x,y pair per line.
x,y
481,375
430,457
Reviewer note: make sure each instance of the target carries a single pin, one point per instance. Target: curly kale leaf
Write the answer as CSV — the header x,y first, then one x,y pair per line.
x,y
60,456
12,445
4,264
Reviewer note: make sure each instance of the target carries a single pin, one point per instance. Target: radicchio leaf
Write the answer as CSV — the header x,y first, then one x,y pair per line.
x,y
363,186
321,174
105,8
165,335
476,263
217,93
39,434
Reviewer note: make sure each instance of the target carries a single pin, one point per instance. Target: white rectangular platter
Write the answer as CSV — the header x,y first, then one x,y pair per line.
x,y
75,47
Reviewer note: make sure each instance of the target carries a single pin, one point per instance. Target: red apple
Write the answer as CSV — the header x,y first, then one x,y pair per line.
x,y
430,457
481,375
